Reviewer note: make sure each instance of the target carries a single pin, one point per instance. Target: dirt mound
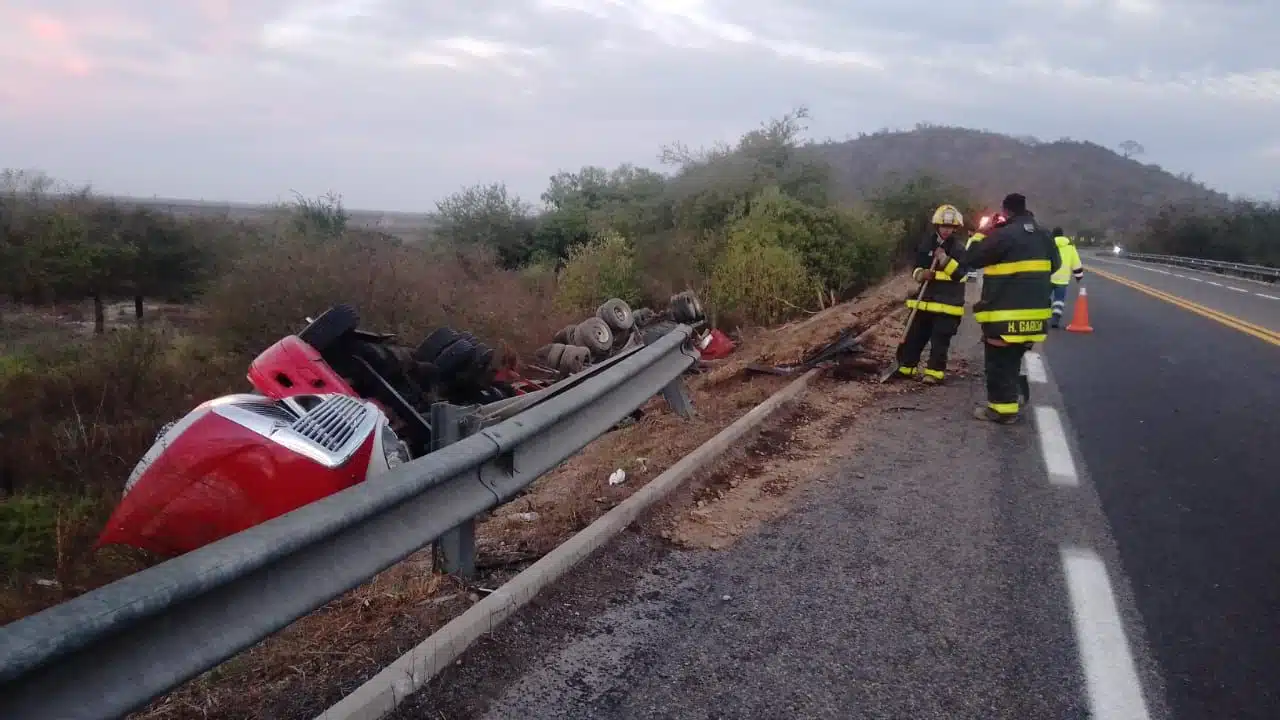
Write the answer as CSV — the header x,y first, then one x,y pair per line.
x,y
876,308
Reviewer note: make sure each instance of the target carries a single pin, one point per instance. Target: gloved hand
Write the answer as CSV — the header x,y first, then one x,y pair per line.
x,y
922,274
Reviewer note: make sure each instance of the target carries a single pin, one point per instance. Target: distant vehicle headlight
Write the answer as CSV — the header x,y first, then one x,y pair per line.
x,y
1116,250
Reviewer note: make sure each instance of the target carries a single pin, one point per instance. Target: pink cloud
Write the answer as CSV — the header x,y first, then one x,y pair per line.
x,y
49,30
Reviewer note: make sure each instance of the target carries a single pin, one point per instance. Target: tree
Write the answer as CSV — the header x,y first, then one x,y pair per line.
x,y
596,271
82,253
711,185
628,200
489,216
843,250
167,261
1131,148
912,203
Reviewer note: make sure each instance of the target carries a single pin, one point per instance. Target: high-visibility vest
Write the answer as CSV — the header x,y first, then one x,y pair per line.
x,y
1070,261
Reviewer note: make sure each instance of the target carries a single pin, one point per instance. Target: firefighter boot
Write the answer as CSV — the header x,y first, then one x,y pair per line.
x,y
985,413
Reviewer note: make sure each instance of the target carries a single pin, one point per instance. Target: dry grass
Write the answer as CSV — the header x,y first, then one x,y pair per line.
x,y
319,659
78,410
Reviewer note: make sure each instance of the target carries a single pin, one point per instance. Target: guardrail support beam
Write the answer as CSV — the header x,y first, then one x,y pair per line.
x,y
456,549
677,397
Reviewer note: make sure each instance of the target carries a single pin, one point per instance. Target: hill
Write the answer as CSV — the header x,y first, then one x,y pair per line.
x,y
1082,186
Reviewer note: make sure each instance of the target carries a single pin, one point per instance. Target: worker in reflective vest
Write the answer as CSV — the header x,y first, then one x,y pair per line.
x,y
940,305
1017,259
1071,267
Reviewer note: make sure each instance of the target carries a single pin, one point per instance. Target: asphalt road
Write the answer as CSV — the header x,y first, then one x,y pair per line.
x,y
951,569
1254,302
1176,415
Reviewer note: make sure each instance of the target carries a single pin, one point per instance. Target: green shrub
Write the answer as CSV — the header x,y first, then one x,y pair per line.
x,y
602,269
34,528
757,281
844,250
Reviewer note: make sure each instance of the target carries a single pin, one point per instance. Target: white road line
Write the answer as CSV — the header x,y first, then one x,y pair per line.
x,y
1115,692
1162,272
1198,279
1035,368
1184,277
1054,448
1269,297
1237,289
1215,283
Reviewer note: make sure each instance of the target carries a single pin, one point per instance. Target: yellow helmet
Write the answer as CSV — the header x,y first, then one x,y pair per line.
x,y
948,215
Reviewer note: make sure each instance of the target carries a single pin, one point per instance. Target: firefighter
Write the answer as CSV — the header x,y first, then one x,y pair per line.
x,y
940,308
1071,267
1017,258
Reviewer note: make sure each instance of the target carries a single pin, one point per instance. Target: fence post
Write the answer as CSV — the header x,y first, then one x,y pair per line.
x,y
457,547
677,397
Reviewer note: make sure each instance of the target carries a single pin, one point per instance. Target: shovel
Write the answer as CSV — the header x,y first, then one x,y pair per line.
x,y
893,369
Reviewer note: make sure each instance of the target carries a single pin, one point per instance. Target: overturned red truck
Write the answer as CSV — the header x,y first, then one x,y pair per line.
x,y
331,406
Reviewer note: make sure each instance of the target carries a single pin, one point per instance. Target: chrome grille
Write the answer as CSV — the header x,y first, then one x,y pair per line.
x,y
333,422
271,411
326,428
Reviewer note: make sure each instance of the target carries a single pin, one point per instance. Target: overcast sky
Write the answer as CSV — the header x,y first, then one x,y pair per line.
x,y
396,103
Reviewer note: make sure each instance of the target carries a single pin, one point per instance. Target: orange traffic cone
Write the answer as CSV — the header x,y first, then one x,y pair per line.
x,y
1080,317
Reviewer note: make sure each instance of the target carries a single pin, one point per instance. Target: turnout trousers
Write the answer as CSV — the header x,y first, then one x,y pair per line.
x,y
932,329
1003,369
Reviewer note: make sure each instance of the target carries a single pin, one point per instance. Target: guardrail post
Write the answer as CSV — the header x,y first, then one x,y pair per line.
x,y
457,547
677,397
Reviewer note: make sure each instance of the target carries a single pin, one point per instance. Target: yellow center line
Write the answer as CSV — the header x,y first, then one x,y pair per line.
x,y
1230,321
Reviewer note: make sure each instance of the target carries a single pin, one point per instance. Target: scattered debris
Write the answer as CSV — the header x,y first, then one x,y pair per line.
x,y
618,477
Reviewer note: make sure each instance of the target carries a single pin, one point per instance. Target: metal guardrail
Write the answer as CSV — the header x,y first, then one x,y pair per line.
x,y
111,651
1256,272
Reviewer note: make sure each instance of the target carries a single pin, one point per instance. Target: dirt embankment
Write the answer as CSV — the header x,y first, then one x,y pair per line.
x,y
316,661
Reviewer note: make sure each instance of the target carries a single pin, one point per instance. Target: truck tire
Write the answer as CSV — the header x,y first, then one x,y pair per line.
x,y
564,334
685,307
654,332
616,313
643,317
325,332
594,334
436,341
574,360
457,356
550,355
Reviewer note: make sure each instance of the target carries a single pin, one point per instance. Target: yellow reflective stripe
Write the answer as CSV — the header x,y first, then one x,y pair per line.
x,y
936,374
1024,338
929,306
950,267
1004,408
994,316
1020,266
940,275
906,371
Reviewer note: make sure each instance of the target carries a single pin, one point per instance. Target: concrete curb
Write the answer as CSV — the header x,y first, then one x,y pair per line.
x,y
395,683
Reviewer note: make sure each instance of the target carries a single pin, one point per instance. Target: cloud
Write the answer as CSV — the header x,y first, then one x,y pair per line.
x,y
396,103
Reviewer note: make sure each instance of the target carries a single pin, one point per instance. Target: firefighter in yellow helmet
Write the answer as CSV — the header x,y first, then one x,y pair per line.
x,y
940,308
